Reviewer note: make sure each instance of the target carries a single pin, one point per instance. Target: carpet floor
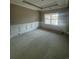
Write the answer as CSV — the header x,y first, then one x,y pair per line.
x,y
39,44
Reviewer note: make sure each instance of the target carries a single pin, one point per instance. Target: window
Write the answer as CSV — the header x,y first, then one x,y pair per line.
x,y
47,19
51,18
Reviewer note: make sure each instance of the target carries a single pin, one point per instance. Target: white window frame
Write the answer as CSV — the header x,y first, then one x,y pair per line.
x,y
53,21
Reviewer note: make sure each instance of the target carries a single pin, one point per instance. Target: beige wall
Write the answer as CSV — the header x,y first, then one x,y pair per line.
x,y
22,20
20,15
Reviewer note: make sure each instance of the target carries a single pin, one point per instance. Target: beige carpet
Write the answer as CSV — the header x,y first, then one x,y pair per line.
x,y
40,44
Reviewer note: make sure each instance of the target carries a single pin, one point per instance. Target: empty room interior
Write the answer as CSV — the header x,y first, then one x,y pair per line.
x,y
39,29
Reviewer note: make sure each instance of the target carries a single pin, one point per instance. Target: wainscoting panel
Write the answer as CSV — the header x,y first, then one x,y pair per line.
x,y
22,28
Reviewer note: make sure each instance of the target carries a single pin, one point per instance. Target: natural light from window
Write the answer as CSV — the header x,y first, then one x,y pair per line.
x,y
51,18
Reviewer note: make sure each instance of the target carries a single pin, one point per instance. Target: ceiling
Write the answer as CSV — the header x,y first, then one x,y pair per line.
x,y
41,4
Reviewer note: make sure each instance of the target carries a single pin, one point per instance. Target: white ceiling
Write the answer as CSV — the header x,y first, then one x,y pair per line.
x,y
45,4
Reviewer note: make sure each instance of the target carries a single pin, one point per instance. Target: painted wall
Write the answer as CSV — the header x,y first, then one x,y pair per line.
x,y
22,20
63,20
20,15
